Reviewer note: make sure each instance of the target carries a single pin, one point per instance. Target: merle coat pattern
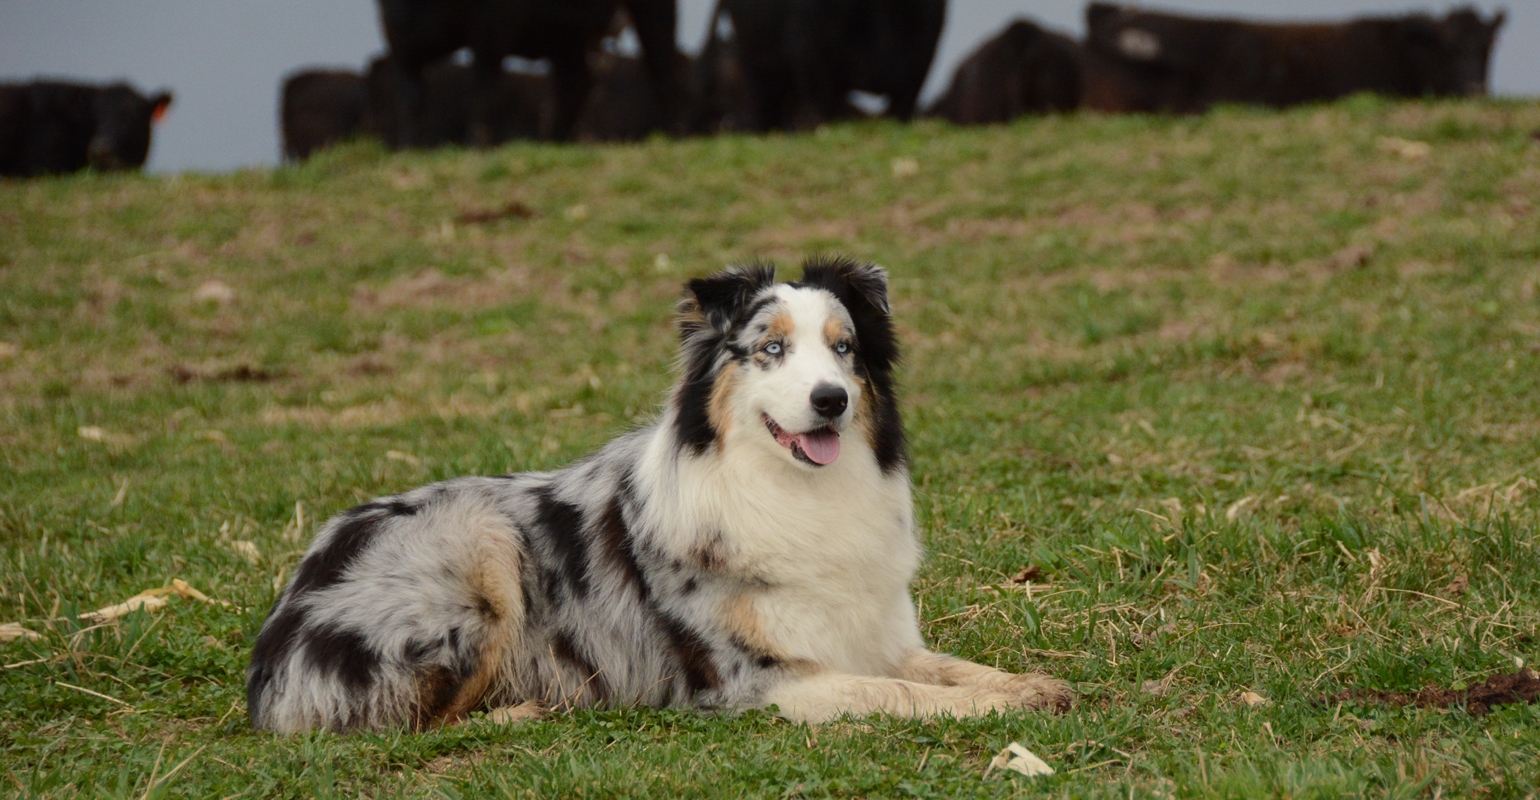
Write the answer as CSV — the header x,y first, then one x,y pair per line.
x,y
754,546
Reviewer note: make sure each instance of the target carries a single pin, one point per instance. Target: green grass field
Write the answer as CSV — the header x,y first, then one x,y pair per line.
x,y
1255,392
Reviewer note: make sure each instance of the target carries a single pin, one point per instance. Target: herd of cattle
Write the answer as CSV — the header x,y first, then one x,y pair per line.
x,y
555,71
794,64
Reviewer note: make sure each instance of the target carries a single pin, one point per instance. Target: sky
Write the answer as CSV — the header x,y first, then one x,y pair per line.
x,y
225,59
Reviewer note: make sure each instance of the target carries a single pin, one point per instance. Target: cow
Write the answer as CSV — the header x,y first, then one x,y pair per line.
x,y
517,108
320,108
719,89
324,107
1023,70
1147,61
619,108
800,60
421,32
58,127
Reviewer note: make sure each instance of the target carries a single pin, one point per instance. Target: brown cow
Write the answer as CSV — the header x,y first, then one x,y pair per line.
x,y
1024,70
1148,61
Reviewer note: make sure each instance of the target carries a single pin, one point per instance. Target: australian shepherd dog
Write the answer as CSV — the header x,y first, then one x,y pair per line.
x,y
751,548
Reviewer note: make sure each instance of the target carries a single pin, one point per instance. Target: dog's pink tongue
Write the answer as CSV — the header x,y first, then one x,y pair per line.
x,y
821,446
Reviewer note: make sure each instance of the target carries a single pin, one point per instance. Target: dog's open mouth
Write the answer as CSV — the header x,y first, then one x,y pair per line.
x,y
818,447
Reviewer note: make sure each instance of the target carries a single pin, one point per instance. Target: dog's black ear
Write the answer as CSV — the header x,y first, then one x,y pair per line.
x,y
863,290
707,312
714,302
853,283
871,283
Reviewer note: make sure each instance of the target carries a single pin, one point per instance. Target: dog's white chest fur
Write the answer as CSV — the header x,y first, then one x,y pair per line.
x,y
824,557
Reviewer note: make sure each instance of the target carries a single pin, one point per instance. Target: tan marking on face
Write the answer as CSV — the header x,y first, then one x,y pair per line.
x,y
833,331
719,407
781,326
865,417
742,624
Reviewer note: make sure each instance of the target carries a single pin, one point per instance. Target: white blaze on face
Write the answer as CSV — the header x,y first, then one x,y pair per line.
x,y
808,325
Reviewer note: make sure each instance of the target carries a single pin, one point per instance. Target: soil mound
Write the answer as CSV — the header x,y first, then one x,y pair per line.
x,y
1517,687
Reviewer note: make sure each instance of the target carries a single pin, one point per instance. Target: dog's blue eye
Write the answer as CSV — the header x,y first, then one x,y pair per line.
x,y
842,347
773,349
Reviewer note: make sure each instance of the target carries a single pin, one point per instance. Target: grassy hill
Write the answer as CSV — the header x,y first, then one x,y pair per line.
x,y
1256,394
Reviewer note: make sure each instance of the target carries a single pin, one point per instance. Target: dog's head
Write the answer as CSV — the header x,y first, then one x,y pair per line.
x,y
802,365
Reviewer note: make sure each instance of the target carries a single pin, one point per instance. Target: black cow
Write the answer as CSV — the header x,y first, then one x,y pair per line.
x,y
1146,61
1024,70
421,32
619,108
800,59
517,108
325,107
720,99
321,108
51,128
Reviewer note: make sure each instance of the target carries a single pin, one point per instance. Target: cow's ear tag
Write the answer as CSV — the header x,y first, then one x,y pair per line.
x,y
162,102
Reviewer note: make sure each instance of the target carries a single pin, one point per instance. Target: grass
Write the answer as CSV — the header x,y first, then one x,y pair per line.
x,y
1253,390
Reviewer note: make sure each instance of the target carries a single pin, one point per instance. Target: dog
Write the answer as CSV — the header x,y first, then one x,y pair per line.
x,y
751,548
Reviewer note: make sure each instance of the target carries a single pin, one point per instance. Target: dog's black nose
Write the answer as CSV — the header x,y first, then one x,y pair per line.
x,y
829,400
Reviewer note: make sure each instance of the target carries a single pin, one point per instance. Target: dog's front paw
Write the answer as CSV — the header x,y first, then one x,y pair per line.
x,y
979,701
1036,691
527,710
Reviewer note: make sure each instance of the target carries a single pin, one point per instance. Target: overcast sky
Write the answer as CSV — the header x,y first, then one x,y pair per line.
x,y
224,59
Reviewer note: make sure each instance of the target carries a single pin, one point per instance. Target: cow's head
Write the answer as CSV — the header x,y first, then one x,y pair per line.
x,y
1450,56
123,116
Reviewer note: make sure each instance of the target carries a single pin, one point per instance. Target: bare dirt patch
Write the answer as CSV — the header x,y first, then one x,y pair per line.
x,y
793,236
433,288
238,373
1504,689
1284,372
513,209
